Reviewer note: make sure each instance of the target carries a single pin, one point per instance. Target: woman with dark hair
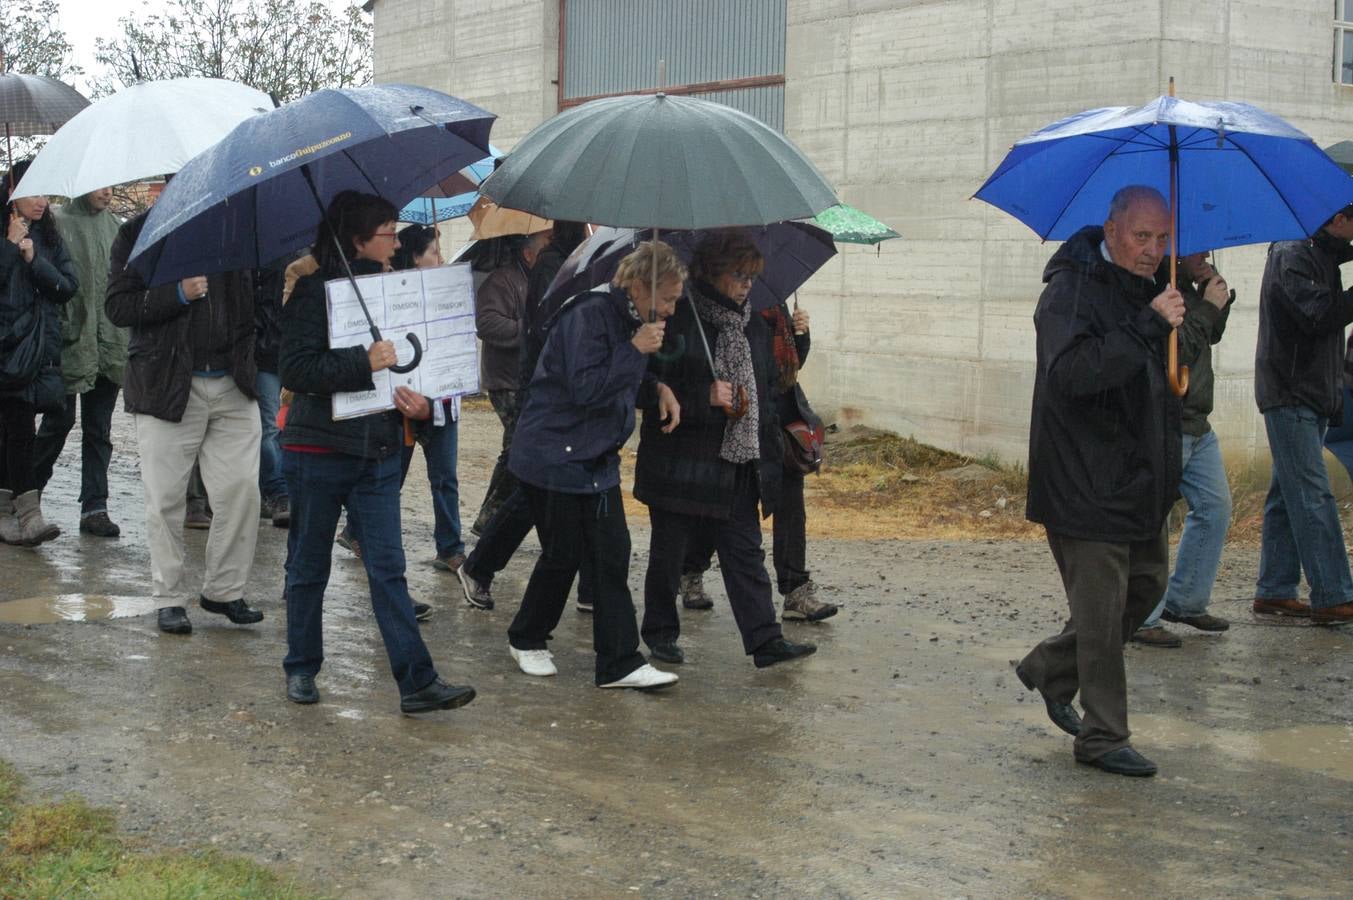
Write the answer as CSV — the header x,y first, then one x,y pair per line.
x,y
36,275
705,479
354,462
418,249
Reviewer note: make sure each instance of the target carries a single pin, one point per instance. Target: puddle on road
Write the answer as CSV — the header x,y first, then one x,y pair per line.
x,y
72,608
1326,749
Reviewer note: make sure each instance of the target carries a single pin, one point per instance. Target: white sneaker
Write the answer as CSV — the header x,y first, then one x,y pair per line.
x,y
534,662
644,678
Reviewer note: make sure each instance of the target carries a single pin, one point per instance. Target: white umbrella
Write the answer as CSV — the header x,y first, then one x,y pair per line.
x,y
148,129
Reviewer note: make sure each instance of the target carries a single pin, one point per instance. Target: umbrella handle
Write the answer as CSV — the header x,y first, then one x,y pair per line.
x,y
678,348
417,355
1178,375
741,403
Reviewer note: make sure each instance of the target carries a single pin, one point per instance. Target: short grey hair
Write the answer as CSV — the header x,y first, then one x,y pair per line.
x,y
1131,194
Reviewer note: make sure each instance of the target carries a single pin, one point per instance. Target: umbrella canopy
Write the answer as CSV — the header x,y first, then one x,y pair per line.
x,y
848,225
1342,153
793,252
659,161
148,129
1245,176
36,104
431,210
248,200
491,221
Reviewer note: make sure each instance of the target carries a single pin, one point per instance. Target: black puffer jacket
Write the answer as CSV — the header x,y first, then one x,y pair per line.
x,y
682,471
1303,308
1104,440
315,373
29,297
159,373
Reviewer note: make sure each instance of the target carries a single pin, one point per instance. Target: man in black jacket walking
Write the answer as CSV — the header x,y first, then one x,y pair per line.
x,y
1104,461
1298,372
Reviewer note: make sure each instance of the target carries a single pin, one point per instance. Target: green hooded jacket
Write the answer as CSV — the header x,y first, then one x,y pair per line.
x,y
91,345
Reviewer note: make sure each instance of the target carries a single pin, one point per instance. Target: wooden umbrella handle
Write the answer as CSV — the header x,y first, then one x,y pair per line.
x,y
1178,375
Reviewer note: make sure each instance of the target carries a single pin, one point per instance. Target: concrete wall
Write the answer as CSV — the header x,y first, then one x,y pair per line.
x,y
907,105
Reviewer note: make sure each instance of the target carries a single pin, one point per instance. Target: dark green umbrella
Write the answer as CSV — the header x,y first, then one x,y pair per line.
x,y
655,161
848,225
1342,153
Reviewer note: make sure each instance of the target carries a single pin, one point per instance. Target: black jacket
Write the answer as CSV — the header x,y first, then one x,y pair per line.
x,y
579,408
1303,308
159,372
1203,326
315,373
682,472
268,284
1104,439
29,297
538,318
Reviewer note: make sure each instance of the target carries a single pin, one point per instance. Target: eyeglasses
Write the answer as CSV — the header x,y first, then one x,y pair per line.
x,y
744,277
388,234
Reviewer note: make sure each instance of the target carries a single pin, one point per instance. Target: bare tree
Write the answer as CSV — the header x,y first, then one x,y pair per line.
x,y
285,49
30,41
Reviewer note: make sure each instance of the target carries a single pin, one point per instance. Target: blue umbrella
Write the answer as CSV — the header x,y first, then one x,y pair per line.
x,y
452,197
261,192
1234,174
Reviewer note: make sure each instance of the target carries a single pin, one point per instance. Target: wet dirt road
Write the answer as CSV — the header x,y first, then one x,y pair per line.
x,y
904,759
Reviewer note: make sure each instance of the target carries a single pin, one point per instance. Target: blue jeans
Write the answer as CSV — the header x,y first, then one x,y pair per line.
x,y
321,484
271,481
1301,520
439,453
1339,438
1203,484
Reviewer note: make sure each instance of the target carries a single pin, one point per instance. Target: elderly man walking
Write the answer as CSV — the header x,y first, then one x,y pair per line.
x,y
1298,383
1104,464
92,360
190,383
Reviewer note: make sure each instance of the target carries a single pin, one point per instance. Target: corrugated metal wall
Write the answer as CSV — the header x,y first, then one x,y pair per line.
x,y
765,103
613,47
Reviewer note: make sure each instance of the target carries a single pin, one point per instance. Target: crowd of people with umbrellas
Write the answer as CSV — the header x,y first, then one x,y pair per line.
x,y
613,281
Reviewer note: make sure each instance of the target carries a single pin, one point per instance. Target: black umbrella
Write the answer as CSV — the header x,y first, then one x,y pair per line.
x,y
35,104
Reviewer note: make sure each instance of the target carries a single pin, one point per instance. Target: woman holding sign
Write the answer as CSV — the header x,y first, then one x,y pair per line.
x,y
354,462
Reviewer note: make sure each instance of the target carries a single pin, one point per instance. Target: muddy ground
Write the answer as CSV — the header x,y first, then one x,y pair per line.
x,y
904,759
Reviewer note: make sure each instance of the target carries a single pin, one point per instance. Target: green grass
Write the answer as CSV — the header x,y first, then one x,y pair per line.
x,y
68,848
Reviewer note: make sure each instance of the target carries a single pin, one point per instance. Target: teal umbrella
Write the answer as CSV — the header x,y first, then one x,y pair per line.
x,y
655,161
848,225
1342,153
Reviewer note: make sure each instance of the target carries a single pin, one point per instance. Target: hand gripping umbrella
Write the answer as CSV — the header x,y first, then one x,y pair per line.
x,y
1234,174
261,192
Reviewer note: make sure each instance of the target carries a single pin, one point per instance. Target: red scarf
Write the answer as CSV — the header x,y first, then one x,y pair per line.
x,y
786,352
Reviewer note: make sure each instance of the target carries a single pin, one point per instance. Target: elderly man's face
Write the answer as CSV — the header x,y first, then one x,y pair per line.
x,y
1139,238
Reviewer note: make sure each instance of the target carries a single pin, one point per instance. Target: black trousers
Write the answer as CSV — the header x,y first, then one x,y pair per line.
x,y
1111,588
742,562
17,420
789,549
96,442
503,534
501,484
573,528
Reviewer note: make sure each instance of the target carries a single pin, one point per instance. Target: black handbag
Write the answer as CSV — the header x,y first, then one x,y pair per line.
x,y
21,354
49,390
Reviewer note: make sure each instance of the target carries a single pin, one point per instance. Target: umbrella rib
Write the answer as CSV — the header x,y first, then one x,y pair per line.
x,y
1281,196
1062,214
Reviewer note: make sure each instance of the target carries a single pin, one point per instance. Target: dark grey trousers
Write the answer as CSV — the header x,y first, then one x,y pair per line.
x,y
1111,589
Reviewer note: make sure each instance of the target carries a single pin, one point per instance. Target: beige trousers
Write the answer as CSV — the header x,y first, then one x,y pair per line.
x,y
220,429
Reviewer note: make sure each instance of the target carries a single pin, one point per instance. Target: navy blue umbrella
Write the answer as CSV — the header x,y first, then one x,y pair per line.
x,y
793,252
252,198
1234,174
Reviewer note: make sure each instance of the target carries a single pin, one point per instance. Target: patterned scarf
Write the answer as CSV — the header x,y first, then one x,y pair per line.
x,y
786,351
733,363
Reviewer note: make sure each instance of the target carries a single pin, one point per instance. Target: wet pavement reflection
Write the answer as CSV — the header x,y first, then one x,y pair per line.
x,y
904,759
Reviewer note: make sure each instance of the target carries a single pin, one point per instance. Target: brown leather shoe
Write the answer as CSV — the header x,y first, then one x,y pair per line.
x,y
1333,615
1264,606
1156,636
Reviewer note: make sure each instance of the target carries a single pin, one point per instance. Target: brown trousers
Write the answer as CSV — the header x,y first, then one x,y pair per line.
x,y
1111,589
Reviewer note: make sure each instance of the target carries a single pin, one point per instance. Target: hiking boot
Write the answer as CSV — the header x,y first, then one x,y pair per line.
x,y
802,603
280,512
1156,636
99,525
197,517
33,528
693,594
10,532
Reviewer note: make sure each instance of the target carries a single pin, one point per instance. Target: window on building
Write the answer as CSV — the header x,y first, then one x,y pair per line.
x,y
729,52
1343,41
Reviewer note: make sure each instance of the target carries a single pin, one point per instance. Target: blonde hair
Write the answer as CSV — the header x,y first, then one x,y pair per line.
x,y
723,251
638,266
